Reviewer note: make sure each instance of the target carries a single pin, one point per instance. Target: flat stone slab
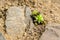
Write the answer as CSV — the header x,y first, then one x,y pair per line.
x,y
52,32
15,25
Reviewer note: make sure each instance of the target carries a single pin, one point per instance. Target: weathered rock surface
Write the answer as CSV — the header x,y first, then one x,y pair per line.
x,y
15,25
19,24
1,37
52,32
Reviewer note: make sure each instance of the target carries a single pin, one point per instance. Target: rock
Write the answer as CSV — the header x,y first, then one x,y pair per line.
x,y
52,32
15,25
27,14
28,17
1,37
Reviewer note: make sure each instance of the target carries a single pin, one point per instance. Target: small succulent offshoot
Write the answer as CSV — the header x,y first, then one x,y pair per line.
x,y
37,17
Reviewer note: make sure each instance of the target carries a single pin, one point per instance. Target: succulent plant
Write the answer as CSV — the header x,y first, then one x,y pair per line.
x,y
38,17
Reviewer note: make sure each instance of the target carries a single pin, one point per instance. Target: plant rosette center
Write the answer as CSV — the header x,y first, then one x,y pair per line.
x,y
37,17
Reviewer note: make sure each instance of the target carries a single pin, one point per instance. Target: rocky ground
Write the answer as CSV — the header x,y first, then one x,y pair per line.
x,y
50,10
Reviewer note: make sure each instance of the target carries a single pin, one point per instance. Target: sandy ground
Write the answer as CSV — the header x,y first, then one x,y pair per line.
x,y
50,10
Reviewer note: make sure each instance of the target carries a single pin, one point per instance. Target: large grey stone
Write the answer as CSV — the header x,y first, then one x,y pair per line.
x,y
1,37
52,32
15,22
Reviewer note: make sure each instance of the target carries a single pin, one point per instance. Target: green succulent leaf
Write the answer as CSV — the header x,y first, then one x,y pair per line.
x,y
34,12
39,18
